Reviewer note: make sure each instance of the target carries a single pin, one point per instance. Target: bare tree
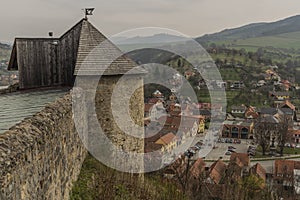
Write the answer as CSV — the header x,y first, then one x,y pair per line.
x,y
180,169
262,133
284,135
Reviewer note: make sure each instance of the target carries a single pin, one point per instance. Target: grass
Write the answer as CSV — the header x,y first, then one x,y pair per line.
x,y
230,74
286,151
96,181
291,151
278,42
287,40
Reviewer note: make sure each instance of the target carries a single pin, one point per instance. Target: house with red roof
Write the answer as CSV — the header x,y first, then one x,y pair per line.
x,y
217,172
168,142
258,171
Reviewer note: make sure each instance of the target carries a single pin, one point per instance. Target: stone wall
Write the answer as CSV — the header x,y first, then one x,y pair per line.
x,y
10,89
101,95
41,157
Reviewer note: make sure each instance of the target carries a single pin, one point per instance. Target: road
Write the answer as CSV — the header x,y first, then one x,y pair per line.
x,y
222,148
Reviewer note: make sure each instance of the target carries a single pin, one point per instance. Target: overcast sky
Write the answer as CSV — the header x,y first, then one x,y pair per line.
x,y
192,17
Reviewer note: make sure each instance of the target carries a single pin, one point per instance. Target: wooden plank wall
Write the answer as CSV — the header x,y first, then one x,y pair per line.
x,y
48,62
36,61
68,50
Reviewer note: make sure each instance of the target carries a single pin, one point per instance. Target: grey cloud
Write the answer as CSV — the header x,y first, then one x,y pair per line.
x,y
192,17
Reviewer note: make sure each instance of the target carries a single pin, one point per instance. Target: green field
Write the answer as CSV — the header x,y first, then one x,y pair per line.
x,y
287,40
277,42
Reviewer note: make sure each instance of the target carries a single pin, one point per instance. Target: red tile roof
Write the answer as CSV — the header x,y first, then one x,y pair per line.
x,y
242,159
166,139
151,146
286,167
153,100
294,132
197,168
179,165
288,104
217,171
259,171
148,106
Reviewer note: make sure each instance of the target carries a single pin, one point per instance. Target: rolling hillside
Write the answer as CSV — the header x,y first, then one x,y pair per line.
x,y
281,34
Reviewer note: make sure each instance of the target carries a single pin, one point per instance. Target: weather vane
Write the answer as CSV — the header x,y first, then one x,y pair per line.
x,y
88,11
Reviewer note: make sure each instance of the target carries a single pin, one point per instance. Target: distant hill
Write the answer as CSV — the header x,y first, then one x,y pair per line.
x,y
5,50
157,38
280,34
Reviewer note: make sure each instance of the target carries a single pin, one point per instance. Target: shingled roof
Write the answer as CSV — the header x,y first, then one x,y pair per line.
x,y
241,159
217,171
82,50
99,56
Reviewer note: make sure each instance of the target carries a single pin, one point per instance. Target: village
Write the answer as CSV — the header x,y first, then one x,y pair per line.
x,y
262,142
6,77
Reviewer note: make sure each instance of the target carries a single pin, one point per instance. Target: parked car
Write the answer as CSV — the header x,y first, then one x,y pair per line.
x,y
231,147
251,153
193,149
237,141
228,153
188,153
231,150
297,146
197,147
199,143
252,147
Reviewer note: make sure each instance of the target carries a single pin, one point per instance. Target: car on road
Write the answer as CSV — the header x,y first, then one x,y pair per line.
x,y
252,147
228,140
237,141
231,147
199,143
197,147
251,150
188,153
231,150
194,149
221,140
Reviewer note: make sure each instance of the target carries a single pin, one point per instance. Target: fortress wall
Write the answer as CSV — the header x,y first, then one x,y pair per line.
x,y
41,156
107,121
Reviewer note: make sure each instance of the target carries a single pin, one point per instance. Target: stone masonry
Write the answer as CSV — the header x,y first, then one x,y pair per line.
x,y
41,157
